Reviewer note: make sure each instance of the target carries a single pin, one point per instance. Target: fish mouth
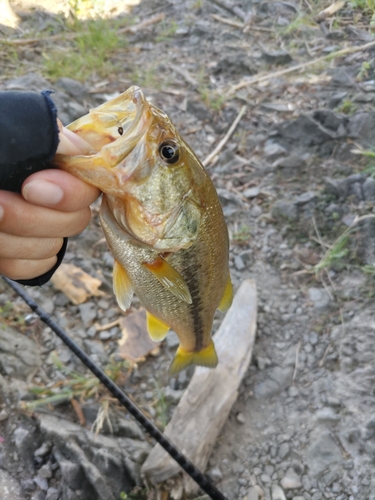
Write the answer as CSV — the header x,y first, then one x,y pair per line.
x,y
114,128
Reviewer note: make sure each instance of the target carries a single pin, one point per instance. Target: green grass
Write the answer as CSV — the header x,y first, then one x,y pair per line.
x,y
89,51
75,385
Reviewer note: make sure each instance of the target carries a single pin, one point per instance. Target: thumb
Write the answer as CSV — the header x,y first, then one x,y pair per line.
x,y
70,143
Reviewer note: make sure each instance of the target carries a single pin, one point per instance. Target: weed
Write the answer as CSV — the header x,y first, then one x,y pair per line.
x,y
75,385
242,235
147,77
11,315
137,493
363,71
167,31
297,23
211,97
161,407
89,52
347,107
363,4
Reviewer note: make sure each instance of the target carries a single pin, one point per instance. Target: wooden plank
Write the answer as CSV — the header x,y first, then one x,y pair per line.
x,y
206,403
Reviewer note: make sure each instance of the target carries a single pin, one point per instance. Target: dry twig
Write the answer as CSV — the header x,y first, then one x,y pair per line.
x,y
225,139
274,74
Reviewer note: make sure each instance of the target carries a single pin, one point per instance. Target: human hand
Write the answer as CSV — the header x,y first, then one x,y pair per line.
x,y
53,205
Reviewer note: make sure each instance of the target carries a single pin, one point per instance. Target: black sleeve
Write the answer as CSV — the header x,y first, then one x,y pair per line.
x,y
29,137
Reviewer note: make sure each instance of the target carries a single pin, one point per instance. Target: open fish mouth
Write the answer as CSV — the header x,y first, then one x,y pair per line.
x,y
113,129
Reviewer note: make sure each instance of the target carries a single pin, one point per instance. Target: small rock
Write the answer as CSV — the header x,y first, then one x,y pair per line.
x,y
369,189
172,396
215,474
291,480
239,263
304,198
252,493
240,418
327,415
41,482
277,493
319,297
3,415
278,57
284,210
252,192
283,450
53,494
28,485
45,471
265,478
88,312
172,340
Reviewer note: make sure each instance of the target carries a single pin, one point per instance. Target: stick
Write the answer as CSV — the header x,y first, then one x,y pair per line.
x,y
206,403
237,11
239,25
225,139
268,76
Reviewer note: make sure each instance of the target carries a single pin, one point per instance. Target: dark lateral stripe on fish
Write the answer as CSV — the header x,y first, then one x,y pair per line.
x,y
196,306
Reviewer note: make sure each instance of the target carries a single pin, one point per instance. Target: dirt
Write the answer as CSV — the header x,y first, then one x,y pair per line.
x,y
291,184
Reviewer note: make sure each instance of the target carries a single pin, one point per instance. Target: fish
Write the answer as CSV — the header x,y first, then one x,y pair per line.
x,y
162,220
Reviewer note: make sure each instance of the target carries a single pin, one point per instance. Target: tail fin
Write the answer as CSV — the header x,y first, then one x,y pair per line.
x,y
206,357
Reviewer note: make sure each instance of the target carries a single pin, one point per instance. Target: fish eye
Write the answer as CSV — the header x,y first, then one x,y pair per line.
x,y
120,130
169,152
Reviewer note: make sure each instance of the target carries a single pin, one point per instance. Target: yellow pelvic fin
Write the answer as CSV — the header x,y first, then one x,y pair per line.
x,y
169,278
206,357
156,328
227,298
122,287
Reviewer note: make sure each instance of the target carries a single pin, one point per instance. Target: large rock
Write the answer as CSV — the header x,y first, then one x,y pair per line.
x,y
93,466
9,487
19,355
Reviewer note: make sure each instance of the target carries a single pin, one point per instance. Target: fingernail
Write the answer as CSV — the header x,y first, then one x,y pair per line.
x,y
42,193
1,212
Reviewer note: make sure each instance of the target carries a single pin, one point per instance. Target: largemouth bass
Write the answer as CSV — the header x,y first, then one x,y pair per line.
x,y
162,220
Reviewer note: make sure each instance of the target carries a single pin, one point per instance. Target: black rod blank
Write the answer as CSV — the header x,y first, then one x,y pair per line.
x,y
203,482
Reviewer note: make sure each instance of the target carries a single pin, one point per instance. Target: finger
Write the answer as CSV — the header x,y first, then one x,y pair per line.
x,y
70,143
25,269
16,247
59,190
23,219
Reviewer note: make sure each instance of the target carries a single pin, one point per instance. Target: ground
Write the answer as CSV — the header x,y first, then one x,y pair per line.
x,y
296,184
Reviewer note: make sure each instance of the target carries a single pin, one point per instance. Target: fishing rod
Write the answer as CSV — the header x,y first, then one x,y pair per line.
x,y
201,479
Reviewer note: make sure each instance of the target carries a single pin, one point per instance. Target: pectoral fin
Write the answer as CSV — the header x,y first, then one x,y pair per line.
x,y
226,299
206,357
122,287
169,278
156,328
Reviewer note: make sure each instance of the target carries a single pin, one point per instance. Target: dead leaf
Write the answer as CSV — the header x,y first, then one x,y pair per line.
x,y
135,343
77,285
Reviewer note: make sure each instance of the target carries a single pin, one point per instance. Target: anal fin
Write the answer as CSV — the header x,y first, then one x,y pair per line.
x,y
122,286
205,357
169,278
156,328
227,298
